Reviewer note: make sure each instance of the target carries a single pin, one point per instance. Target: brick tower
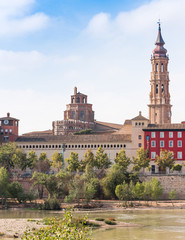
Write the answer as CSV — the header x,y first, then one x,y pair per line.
x,y
9,128
159,107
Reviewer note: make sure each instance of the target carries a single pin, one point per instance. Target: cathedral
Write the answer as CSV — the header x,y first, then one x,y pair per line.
x,y
79,131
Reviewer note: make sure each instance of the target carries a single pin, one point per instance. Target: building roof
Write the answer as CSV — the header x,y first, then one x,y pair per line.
x,y
8,118
128,122
107,126
140,117
39,133
165,127
77,138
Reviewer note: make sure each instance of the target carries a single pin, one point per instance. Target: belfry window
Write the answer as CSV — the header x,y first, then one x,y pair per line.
x,y
157,88
73,115
156,67
162,88
162,67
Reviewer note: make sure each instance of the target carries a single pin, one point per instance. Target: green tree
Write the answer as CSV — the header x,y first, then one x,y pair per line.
x,y
64,178
90,189
49,182
88,160
16,191
172,196
101,159
73,162
42,164
76,189
141,161
11,156
147,190
166,159
156,189
124,192
32,159
138,190
114,176
122,160
4,185
57,161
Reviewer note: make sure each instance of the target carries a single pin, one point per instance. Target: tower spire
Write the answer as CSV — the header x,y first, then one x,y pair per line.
x,y
159,51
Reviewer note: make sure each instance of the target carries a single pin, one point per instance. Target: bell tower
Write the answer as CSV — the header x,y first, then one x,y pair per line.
x,y
159,107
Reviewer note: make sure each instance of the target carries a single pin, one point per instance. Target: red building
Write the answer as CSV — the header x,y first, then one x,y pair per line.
x,y
169,137
9,128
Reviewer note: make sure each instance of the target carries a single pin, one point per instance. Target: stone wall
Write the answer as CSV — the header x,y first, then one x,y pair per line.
x,y
170,182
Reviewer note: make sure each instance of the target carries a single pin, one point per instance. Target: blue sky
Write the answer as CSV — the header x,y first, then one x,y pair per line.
x,y
103,47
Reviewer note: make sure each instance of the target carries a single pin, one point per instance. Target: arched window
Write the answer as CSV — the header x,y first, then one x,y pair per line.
x,y
162,67
73,100
78,100
162,88
156,67
83,99
157,88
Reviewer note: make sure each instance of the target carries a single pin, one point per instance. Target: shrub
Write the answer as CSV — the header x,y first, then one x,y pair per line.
x,y
172,195
84,222
177,167
60,229
50,204
83,132
100,219
110,222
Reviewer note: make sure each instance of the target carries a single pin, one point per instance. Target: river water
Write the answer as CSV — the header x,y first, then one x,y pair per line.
x,y
155,224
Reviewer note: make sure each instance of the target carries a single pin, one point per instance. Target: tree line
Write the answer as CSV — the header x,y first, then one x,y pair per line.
x,y
93,177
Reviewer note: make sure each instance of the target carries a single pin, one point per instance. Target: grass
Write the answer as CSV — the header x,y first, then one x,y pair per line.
x,y
100,219
31,220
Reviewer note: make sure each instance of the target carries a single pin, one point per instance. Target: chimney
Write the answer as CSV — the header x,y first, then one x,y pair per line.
x,y
75,90
8,114
139,113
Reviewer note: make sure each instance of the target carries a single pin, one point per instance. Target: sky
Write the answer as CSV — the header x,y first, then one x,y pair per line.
x,y
103,47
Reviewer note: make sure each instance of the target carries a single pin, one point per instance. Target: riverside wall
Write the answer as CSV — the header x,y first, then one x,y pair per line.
x,y
169,182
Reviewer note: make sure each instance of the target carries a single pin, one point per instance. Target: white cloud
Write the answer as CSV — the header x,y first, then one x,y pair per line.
x,y
15,17
99,24
110,63
137,20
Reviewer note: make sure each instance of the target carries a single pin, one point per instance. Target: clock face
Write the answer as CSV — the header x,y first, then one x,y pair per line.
x,y
6,122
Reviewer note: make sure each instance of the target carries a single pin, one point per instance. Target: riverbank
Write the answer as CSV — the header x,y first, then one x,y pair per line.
x,y
106,204
14,228
115,205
